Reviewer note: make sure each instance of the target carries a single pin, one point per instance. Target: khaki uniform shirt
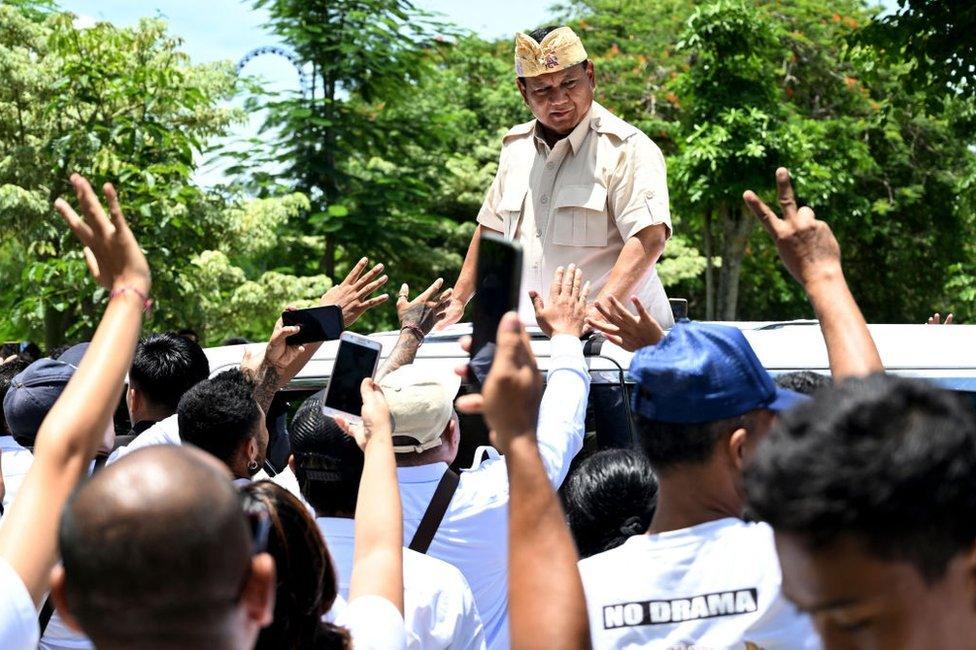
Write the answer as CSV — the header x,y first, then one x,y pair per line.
x,y
578,202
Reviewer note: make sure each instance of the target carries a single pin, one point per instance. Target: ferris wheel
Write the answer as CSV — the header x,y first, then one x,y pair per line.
x,y
291,57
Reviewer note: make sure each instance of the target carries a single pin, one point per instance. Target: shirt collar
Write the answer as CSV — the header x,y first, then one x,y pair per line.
x,y
430,473
579,132
337,527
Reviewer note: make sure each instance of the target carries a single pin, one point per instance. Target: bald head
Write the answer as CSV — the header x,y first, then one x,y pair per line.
x,y
156,544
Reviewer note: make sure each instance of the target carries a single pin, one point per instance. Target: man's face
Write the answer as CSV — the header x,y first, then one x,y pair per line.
x,y
559,100
859,601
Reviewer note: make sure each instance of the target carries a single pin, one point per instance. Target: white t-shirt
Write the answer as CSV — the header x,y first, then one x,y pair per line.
x,y
712,586
374,623
164,432
18,618
15,461
439,609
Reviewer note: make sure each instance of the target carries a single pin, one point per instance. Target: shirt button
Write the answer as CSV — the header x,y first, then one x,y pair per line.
x,y
550,165
538,233
545,199
649,194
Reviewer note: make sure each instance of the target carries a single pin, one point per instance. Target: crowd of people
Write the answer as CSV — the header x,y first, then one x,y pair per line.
x,y
803,511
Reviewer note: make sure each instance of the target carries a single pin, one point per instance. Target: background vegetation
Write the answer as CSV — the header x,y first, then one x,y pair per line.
x,y
392,152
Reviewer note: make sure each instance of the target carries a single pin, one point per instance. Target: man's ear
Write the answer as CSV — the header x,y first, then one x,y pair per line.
x,y
258,597
60,600
521,86
291,463
591,72
133,400
251,450
737,447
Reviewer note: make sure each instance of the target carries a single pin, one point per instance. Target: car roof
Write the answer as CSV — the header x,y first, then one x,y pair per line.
x,y
945,353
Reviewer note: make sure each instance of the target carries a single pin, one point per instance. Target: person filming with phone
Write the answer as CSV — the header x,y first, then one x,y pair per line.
x,y
576,185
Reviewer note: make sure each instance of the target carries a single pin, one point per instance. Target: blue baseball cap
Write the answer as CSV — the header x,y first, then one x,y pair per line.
x,y
704,373
35,389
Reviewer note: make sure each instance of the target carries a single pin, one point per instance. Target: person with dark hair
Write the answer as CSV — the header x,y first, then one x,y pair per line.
x,y
805,382
439,609
221,416
701,575
73,428
165,367
307,585
575,185
609,498
189,335
157,553
871,491
462,519
546,605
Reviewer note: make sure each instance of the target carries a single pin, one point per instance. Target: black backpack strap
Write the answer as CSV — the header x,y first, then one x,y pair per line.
x,y
435,512
47,611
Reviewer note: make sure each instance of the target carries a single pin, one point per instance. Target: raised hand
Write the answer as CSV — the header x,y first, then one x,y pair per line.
x,y
807,246
453,312
376,421
352,295
512,390
936,319
566,311
111,251
624,329
424,311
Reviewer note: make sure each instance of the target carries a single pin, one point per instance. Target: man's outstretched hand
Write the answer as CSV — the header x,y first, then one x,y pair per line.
x,y
352,295
566,311
624,329
111,251
807,246
424,311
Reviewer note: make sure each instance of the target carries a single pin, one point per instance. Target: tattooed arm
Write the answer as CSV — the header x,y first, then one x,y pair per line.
x,y
417,319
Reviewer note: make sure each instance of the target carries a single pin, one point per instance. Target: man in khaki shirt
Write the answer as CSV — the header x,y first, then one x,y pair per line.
x,y
576,185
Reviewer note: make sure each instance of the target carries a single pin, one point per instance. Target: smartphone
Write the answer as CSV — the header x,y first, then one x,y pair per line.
x,y
679,308
498,283
356,360
317,324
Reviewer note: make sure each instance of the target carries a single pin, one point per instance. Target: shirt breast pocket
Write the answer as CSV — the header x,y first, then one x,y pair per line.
x,y
580,216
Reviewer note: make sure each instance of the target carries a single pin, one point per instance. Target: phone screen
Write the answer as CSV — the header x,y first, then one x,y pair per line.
x,y
354,363
498,281
679,308
317,324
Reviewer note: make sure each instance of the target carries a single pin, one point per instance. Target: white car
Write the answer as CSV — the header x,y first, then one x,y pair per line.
x,y
943,354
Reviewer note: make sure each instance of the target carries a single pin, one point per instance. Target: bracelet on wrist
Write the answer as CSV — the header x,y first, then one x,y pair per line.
x,y
146,301
416,331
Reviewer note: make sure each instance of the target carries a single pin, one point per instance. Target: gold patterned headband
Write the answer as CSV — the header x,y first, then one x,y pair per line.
x,y
560,49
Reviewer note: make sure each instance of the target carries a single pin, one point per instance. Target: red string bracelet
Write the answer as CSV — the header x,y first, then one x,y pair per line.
x,y
146,301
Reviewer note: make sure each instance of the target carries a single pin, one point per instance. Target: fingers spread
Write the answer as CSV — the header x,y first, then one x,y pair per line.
x,y
432,289
77,225
557,284
90,206
114,209
368,277
356,270
766,216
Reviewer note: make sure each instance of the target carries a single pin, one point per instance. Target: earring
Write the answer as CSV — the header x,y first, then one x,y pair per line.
x,y
252,465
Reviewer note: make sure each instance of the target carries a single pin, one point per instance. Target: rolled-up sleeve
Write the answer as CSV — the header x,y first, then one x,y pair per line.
x,y
638,195
562,413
